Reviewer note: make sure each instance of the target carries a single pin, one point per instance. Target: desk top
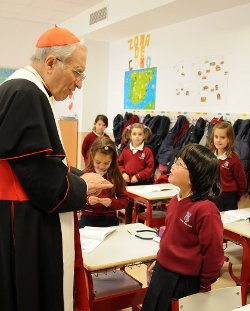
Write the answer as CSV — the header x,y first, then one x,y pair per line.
x,y
121,248
154,192
241,227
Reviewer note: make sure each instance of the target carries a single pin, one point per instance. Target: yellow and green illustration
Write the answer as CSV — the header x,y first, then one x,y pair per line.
x,y
140,89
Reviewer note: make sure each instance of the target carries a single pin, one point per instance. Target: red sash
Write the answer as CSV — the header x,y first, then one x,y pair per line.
x,y
10,187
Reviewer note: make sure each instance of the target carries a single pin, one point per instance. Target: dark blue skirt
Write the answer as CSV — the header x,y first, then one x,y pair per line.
x,y
166,285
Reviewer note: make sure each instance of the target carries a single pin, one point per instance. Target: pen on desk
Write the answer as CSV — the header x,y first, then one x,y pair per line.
x,y
129,232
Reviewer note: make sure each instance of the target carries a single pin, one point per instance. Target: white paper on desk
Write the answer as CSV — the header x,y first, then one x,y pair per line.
x,y
244,308
153,188
91,237
157,239
234,215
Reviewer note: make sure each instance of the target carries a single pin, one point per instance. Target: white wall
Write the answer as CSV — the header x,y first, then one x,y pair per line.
x,y
95,86
16,53
224,33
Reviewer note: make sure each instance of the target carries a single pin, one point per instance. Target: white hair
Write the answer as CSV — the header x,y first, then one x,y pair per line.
x,y
64,53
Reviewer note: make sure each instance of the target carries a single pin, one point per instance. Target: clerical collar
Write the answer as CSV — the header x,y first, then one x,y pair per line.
x,y
221,157
135,149
32,70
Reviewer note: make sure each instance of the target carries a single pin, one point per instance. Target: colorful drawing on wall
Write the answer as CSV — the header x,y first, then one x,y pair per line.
x,y
202,81
140,88
5,73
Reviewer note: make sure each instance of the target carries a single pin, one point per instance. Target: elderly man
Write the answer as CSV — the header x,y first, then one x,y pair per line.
x,y
39,195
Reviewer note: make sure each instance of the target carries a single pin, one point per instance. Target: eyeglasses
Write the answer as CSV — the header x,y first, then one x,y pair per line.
x,y
178,163
79,76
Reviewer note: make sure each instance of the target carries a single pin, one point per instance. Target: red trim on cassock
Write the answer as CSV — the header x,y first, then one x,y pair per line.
x,y
28,154
10,187
53,209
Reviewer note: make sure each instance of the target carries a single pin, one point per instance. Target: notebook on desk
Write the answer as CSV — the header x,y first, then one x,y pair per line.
x,y
234,215
91,237
153,188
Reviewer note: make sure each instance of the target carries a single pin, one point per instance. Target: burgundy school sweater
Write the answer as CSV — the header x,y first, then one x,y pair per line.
x,y
87,143
192,241
140,164
232,175
120,201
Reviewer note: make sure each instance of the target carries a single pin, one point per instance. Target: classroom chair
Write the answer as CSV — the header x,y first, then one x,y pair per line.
x,y
158,214
113,290
234,256
223,299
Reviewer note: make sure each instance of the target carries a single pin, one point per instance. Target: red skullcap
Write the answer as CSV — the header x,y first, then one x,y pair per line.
x,y
56,37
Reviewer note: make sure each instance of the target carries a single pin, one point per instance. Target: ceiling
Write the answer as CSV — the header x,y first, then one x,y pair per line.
x,y
49,12
171,13
43,11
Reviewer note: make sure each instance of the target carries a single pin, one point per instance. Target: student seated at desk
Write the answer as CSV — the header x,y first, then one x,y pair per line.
x,y
191,253
136,162
100,211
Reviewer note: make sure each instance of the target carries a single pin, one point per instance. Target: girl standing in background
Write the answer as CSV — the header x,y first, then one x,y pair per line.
x,y
101,123
136,162
100,211
232,175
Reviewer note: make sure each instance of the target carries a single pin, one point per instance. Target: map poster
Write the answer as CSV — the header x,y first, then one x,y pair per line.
x,y
140,88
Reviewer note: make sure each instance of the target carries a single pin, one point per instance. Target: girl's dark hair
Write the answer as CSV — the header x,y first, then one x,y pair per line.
x,y
225,125
106,146
127,132
103,118
204,172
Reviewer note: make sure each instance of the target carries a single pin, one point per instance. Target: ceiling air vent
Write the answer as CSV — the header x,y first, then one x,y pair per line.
x,y
98,16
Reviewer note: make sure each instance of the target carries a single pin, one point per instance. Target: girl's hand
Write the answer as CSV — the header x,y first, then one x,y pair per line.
x,y
105,201
151,267
92,200
134,180
126,177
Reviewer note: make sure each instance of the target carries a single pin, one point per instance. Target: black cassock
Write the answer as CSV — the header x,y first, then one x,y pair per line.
x,y
31,243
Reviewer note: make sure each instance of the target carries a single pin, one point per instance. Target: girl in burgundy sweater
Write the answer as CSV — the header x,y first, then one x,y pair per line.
x,y
101,123
191,253
136,162
100,211
232,175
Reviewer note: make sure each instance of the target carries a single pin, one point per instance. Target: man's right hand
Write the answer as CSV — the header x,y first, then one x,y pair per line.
x,y
96,183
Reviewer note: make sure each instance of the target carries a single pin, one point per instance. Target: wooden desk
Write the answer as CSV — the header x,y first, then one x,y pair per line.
x,y
148,198
239,231
119,249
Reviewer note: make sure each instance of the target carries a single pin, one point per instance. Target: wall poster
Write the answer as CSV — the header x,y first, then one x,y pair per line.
x,y
140,89
140,80
202,82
